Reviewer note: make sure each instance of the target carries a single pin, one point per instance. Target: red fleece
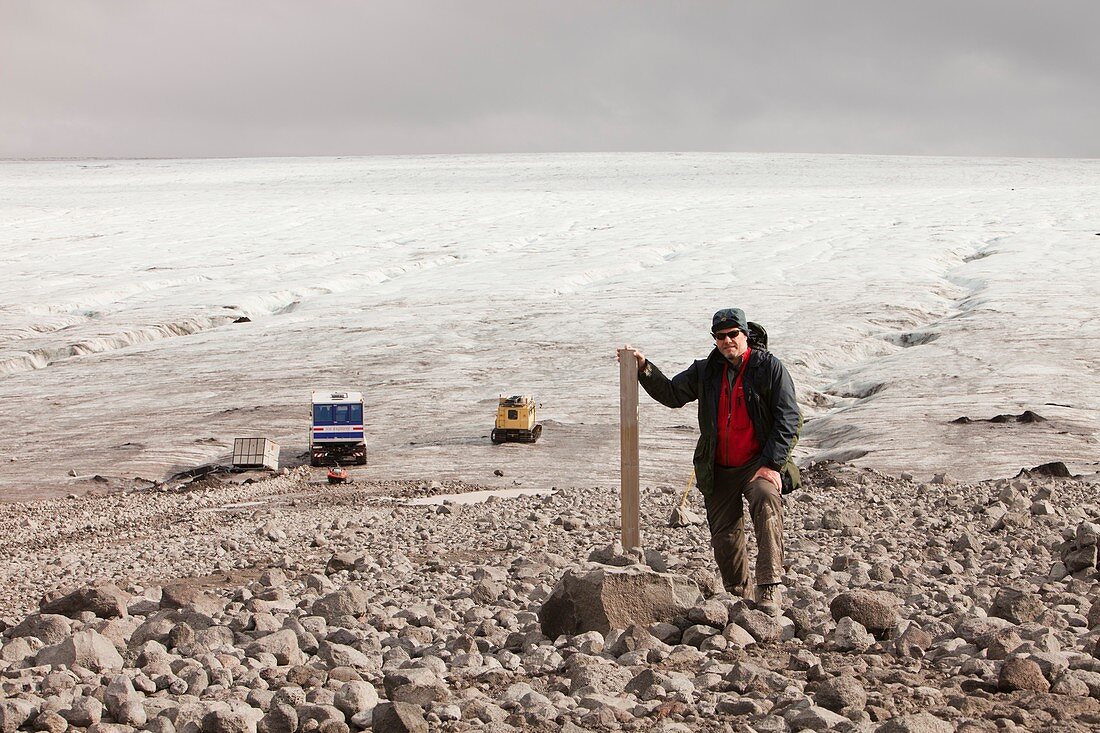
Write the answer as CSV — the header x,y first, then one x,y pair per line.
x,y
737,444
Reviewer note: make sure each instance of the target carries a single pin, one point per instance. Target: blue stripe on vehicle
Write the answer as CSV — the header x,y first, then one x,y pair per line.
x,y
336,436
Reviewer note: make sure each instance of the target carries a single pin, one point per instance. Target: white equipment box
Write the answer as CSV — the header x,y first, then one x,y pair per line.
x,y
255,453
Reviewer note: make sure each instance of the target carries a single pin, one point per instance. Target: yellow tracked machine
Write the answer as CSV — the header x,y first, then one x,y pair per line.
x,y
516,421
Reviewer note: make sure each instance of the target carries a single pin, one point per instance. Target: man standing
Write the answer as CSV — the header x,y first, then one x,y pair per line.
x,y
748,426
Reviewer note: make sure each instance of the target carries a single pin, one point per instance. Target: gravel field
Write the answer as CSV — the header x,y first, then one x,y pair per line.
x,y
287,604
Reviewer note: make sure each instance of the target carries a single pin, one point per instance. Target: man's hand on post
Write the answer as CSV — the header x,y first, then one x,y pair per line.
x,y
770,475
639,356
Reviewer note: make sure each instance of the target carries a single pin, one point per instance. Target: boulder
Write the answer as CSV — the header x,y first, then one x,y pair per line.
x,y
876,611
1017,606
119,692
340,561
84,712
1021,673
49,628
912,642
351,600
356,697
814,718
1094,614
634,638
614,598
1087,533
190,598
20,648
841,519
280,718
14,713
105,600
415,685
48,722
398,717
228,721
84,648
1082,558
850,636
711,613
737,636
342,655
314,716
283,644
841,693
916,723
761,626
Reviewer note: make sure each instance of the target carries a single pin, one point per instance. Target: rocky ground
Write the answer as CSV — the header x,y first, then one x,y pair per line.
x,y
287,605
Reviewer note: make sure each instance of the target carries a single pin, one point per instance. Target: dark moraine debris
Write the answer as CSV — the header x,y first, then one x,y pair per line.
x,y
1054,469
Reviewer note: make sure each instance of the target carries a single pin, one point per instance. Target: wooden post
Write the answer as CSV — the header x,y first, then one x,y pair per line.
x,y
628,449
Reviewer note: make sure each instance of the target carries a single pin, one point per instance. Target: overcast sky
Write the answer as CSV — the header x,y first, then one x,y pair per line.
x,y
195,78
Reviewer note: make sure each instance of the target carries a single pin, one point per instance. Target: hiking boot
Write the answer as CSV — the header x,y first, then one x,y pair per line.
x,y
740,591
769,599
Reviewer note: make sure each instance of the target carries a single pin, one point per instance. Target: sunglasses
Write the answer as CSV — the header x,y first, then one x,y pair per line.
x,y
731,335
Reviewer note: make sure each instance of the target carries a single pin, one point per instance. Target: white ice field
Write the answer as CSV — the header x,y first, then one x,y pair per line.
x,y
902,293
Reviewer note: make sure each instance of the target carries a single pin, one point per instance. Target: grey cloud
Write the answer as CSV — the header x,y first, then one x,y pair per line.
x,y
174,78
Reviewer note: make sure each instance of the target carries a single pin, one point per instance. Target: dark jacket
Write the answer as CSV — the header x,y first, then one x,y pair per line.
x,y
769,398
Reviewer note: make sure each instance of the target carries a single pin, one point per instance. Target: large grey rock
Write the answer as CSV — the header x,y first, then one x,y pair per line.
x,y
342,655
697,634
49,721
850,636
356,697
635,638
912,642
1017,606
20,648
119,692
132,713
14,713
341,561
85,648
398,717
228,721
916,723
876,611
313,716
190,598
84,712
646,680
607,598
281,717
1081,558
841,519
737,636
105,600
711,613
1094,614
164,627
283,644
761,626
49,628
415,685
814,718
841,693
351,600
1087,533
1021,673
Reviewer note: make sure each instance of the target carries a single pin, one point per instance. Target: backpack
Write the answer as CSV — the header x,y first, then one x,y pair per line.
x,y
758,336
758,339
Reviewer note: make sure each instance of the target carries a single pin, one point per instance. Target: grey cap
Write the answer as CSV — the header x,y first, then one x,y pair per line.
x,y
728,318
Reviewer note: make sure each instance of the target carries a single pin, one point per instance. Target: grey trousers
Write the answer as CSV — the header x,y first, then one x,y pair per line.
x,y
726,518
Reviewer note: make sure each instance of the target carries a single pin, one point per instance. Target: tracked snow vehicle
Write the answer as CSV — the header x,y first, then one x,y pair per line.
x,y
336,431
516,421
